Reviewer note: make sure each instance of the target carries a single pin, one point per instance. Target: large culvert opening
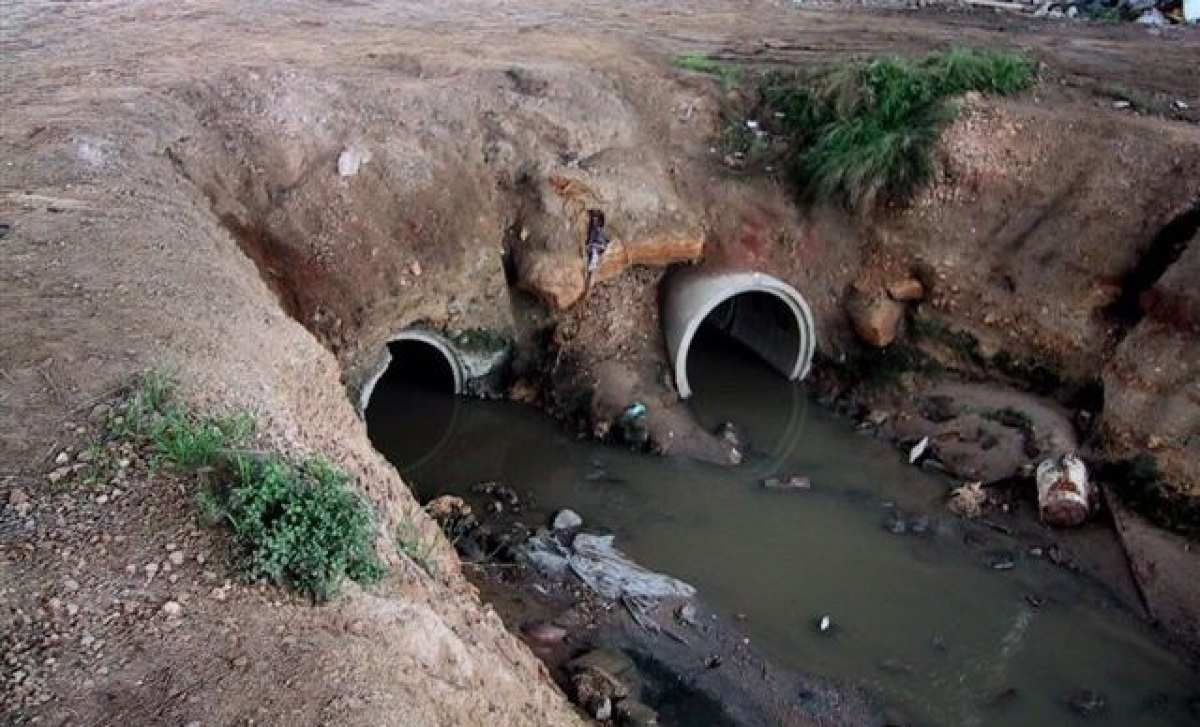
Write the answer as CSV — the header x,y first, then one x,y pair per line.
x,y
756,325
752,311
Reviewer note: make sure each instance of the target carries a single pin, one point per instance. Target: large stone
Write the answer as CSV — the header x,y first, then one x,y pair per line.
x,y
555,278
876,317
653,250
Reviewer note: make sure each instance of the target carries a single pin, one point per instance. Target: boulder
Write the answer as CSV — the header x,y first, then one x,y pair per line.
x,y
876,318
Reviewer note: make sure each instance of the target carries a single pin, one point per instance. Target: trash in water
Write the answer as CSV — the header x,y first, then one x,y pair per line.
x,y
825,624
1065,498
918,449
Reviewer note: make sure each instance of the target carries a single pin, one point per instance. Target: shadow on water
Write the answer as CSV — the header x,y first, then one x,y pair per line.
x,y
921,616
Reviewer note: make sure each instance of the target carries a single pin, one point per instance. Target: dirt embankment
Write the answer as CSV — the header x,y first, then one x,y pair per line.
x,y
173,193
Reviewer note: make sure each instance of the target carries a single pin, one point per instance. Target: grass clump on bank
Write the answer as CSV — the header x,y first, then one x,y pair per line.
x,y
862,131
295,524
728,75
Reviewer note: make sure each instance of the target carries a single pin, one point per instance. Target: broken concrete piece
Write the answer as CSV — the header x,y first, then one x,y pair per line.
x,y
1064,494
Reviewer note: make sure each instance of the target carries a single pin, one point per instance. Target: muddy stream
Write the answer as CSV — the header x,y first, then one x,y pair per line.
x,y
926,612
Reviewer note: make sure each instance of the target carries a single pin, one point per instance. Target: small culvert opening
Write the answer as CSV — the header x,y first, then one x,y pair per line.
x,y
419,364
419,377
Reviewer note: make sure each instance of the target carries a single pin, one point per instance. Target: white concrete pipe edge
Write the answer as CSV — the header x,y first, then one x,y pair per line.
x,y
712,289
435,340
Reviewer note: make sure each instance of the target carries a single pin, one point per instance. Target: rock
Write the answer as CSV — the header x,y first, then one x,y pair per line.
x,y
686,614
58,475
596,688
19,501
603,710
99,414
566,519
350,160
62,458
172,609
632,713
876,318
447,507
1153,18
905,290
967,500
728,433
71,584
940,408
1065,498
611,661
793,482
659,250
1087,702
176,557
544,632
556,278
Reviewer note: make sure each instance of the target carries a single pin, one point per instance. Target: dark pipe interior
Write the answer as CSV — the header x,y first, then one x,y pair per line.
x,y
759,324
419,382
419,364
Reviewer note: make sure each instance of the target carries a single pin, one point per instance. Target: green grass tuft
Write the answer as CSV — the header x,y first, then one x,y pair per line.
x,y
866,130
728,75
298,525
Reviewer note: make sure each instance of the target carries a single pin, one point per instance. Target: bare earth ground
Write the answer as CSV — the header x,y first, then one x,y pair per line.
x,y
147,145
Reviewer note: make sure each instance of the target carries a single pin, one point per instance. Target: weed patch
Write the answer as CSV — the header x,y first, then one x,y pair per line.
x,y
294,524
728,75
864,131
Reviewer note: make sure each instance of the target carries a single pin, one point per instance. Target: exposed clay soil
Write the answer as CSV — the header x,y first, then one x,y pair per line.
x,y
170,178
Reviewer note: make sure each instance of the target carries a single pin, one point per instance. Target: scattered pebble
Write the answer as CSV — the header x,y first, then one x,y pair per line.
x,y
172,609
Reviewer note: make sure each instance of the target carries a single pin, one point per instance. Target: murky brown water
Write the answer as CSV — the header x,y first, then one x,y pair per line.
x,y
921,619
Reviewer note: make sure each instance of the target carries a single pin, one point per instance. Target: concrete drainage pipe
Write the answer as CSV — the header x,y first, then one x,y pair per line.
x,y
419,337
760,311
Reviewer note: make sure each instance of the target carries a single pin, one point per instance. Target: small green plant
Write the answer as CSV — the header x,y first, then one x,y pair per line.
x,y
1103,14
298,525
697,62
410,543
865,130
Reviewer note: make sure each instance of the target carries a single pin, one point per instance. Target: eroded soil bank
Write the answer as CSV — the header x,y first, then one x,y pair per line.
x,y
173,192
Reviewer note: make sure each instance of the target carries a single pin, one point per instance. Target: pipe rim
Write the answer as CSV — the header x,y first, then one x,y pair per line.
x,y
756,283
430,338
